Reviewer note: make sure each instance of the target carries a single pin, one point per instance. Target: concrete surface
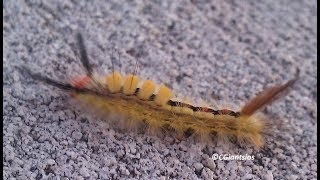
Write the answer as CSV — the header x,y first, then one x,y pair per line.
x,y
221,52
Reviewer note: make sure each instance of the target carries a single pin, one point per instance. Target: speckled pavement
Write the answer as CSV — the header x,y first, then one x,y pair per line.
x,y
218,52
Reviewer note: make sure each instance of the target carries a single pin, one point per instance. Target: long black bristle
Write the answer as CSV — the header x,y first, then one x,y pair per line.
x,y
25,71
84,57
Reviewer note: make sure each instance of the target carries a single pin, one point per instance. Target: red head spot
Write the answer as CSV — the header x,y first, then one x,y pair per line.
x,y
204,109
80,82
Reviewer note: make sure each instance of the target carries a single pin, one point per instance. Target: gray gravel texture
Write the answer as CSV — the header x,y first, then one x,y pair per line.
x,y
221,52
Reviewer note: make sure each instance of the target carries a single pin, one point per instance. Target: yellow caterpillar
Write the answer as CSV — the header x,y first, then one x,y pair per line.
x,y
144,102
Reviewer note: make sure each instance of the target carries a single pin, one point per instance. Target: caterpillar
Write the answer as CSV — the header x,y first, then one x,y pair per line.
x,y
144,102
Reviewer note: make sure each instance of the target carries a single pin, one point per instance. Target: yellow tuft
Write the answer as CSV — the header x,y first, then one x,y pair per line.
x,y
206,115
182,110
130,84
114,82
163,96
203,134
250,129
167,107
146,90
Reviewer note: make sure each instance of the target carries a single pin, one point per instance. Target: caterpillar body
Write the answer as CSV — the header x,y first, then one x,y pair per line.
x,y
144,102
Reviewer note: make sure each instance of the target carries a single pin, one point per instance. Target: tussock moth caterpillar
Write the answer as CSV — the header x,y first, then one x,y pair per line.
x,y
142,101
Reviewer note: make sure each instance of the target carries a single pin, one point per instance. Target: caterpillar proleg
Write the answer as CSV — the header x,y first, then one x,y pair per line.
x,y
142,101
